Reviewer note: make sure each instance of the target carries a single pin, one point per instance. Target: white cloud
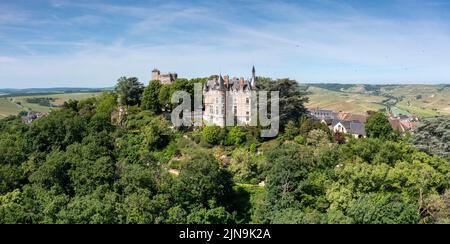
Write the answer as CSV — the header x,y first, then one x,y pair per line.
x,y
6,59
297,42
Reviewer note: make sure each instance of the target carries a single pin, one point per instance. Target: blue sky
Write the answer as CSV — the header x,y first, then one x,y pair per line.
x,y
55,43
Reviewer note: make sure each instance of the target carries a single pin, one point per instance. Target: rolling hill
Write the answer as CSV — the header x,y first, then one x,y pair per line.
x,y
422,100
13,101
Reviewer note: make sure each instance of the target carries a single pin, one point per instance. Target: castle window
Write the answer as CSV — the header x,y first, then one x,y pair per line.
x,y
222,99
235,109
248,116
217,110
211,109
217,100
247,100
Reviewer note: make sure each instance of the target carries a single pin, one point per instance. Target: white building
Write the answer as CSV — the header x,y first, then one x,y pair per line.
x,y
239,99
354,128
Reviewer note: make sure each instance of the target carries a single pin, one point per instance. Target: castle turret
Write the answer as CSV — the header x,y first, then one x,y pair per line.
x,y
221,83
155,74
253,81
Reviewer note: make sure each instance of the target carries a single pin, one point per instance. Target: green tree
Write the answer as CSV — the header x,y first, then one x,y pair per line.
x,y
59,129
11,177
129,91
435,208
201,180
243,167
54,172
237,135
106,103
150,99
317,137
290,165
381,208
213,215
292,98
164,97
291,131
433,136
135,178
213,134
378,126
157,133
97,208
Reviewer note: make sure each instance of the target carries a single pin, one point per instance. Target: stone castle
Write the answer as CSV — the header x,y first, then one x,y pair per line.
x,y
239,99
164,78
215,91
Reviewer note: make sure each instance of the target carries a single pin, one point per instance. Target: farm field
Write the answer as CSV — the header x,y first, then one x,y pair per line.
x,y
422,100
12,105
343,101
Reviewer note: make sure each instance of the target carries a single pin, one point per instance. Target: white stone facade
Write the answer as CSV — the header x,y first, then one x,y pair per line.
x,y
239,93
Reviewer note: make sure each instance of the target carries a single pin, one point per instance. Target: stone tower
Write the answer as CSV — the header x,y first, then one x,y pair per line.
x,y
155,74
164,78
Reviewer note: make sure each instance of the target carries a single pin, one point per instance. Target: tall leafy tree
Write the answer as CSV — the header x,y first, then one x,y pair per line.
x,y
202,180
378,126
292,98
129,91
433,136
157,133
381,208
213,134
150,99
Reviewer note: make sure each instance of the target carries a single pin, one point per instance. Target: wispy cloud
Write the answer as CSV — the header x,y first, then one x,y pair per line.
x,y
310,41
6,59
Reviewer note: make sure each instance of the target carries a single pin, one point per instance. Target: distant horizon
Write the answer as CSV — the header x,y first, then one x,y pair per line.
x,y
304,83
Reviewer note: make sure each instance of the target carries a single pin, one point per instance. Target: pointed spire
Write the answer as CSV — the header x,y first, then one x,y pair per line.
x,y
221,82
253,81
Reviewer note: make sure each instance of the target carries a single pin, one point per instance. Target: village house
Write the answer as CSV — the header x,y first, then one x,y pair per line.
x,y
341,122
32,116
403,123
322,114
354,128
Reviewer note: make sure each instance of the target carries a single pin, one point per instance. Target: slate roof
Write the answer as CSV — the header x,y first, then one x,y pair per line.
x,y
352,127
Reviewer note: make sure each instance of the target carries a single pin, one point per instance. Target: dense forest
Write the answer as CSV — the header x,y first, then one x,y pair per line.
x,y
116,158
